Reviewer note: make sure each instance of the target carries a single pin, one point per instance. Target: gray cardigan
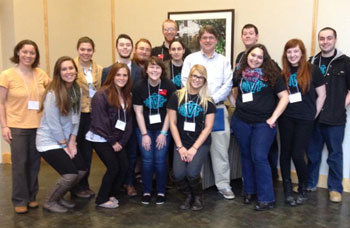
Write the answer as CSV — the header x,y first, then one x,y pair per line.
x,y
54,127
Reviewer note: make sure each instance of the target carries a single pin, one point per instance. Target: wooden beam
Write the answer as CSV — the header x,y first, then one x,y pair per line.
x,y
314,28
46,33
113,28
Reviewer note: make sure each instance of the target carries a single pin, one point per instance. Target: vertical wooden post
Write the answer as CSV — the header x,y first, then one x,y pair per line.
x,y
46,33
113,28
314,28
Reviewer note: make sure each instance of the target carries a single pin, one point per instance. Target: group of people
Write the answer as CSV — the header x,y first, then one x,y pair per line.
x,y
167,104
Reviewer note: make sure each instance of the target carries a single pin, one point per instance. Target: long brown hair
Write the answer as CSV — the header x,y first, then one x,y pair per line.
x,y
304,71
268,67
109,86
67,99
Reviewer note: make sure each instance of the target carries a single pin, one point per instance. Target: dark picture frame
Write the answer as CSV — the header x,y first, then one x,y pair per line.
x,y
189,23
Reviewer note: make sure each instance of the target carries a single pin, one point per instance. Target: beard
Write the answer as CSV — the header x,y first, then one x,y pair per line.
x,y
124,56
139,61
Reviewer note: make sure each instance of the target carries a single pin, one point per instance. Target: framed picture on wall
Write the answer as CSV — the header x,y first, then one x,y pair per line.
x,y
189,23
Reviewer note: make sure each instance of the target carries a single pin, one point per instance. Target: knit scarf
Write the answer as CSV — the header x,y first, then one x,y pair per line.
x,y
252,75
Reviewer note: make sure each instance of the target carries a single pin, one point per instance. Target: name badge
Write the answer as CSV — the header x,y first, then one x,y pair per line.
x,y
75,118
91,92
247,97
295,97
188,126
153,119
33,105
120,125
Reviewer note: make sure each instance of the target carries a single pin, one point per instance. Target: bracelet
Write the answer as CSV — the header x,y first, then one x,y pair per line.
x,y
179,147
165,133
144,134
63,146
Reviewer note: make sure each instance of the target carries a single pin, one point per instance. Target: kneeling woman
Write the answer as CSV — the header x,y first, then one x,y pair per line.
x,y
111,127
254,120
56,136
191,114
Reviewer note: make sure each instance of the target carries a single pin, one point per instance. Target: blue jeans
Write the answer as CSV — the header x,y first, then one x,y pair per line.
x,y
153,160
333,137
254,141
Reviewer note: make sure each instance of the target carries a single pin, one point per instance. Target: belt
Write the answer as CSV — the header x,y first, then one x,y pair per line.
x,y
220,103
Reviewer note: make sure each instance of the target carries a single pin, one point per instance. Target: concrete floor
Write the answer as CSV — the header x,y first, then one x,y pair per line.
x,y
317,212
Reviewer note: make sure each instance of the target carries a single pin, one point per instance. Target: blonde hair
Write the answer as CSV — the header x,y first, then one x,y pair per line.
x,y
204,97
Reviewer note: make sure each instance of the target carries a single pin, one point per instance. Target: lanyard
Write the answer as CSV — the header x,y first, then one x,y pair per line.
x,y
123,113
89,78
27,89
149,95
194,118
295,86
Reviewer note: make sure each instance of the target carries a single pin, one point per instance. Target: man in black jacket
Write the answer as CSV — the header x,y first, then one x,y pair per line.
x,y
330,125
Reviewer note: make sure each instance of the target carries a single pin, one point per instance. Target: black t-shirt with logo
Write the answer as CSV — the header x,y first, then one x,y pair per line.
x,y
156,100
190,112
306,109
264,98
175,74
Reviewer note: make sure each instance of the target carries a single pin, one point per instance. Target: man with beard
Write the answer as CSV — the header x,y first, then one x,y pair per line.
x,y
142,52
124,46
169,30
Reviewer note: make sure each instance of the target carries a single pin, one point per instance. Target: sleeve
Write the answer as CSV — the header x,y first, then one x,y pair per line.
x,y
136,94
171,88
128,130
186,68
4,80
226,87
172,104
52,115
236,79
105,72
347,73
45,78
317,77
280,85
211,108
76,126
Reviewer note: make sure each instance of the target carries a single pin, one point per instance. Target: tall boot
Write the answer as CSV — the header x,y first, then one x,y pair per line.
x,y
287,188
184,188
302,194
197,191
63,184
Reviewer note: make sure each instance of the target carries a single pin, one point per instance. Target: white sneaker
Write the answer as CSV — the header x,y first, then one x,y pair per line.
x,y
113,199
109,204
227,193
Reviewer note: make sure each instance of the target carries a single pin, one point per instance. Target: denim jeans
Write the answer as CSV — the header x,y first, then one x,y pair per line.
x,y
333,137
254,141
190,170
153,160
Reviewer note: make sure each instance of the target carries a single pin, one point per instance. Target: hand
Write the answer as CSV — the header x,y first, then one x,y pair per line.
x,y
271,122
191,153
160,141
117,147
6,134
183,153
72,148
68,152
146,142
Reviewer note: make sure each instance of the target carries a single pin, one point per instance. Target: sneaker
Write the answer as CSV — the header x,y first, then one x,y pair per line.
x,y
313,189
160,199
146,199
227,193
335,196
109,204
113,199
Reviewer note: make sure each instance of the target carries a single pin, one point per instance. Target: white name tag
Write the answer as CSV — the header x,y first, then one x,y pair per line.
x,y
153,119
247,97
91,92
75,119
120,125
33,105
295,97
190,126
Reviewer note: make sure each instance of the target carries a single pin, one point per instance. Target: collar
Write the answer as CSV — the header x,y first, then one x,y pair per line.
x,y
209,57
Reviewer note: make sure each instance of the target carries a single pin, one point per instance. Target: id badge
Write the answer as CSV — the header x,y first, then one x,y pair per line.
x,y
247,97
153,119
120,125
75,119
295,97
91,92
188,126
33,105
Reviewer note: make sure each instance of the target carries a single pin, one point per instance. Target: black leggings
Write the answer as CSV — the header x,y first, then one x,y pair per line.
x,y
295,135
62,163
117,168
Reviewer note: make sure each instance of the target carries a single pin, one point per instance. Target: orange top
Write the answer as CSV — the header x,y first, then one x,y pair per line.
x,y
19,93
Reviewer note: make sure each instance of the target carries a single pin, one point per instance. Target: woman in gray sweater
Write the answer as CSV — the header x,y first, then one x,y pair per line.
x,y
56,136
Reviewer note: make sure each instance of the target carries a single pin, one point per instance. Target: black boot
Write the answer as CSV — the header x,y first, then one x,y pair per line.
x,y
287,188
197,191
184,188
302,195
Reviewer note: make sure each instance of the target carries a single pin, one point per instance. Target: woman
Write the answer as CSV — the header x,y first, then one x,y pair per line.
x,y
254,120
89,79
173,67
111,127
191,115
21,91
56,136
307,93
150,97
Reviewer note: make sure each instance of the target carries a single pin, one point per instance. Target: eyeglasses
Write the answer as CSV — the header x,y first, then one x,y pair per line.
x,y
208,38
144,49
169,30
198,77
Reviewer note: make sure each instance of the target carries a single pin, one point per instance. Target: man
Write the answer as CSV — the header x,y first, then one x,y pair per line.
x,y
330,124
142,52
124,47
169,30
249,36
219,84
